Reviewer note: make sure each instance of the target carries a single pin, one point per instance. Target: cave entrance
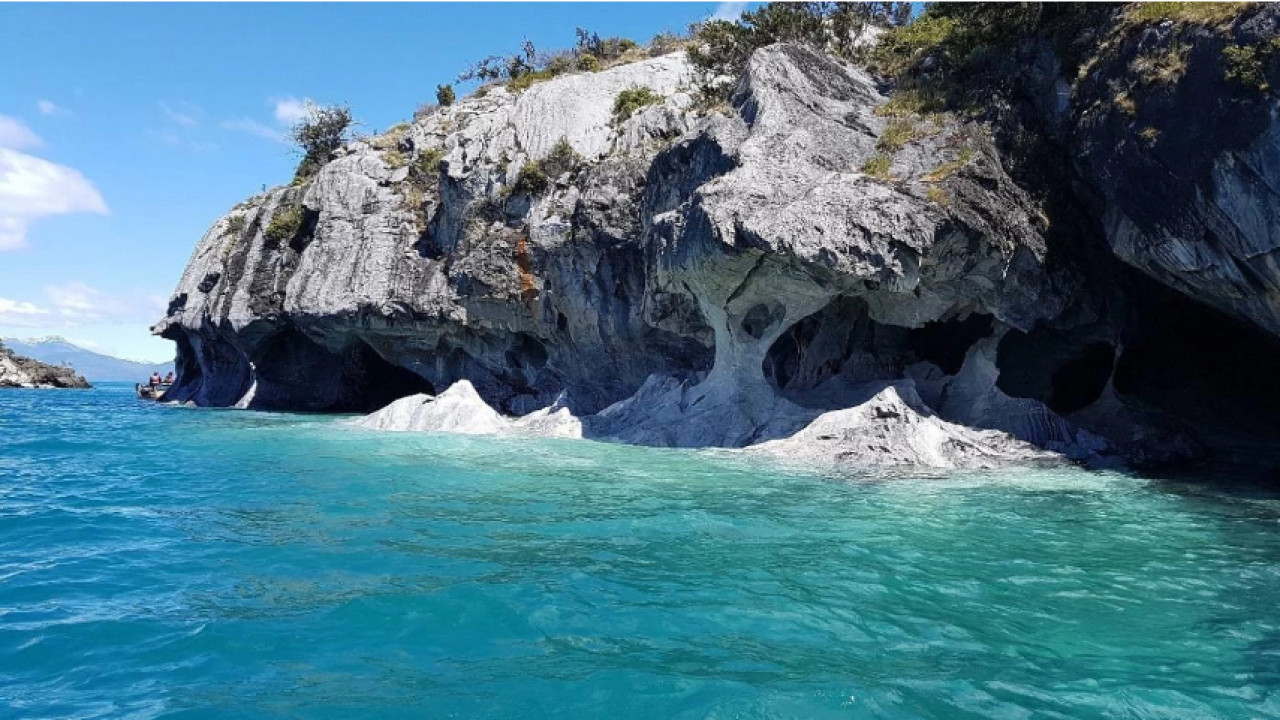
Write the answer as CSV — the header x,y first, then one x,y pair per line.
x,y
842,341
369,382
1065,370
1197,363
294,372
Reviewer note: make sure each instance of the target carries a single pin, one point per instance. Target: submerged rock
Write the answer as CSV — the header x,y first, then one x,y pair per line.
x,y
461,410
895,428
742,276
892,427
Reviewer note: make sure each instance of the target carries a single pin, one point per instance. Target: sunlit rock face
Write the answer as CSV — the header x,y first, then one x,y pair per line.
x,y
21,372
750,275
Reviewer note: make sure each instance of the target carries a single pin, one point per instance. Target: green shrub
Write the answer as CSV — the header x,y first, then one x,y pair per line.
x,y
531,181
445,95
528,79
561,159
426,169
877,167
632,99
235,224
666,42
284,225
318,136
1246,64
937,195
720,48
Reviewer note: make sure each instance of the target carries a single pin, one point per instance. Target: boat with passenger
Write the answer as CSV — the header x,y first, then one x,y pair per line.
x,y
155,388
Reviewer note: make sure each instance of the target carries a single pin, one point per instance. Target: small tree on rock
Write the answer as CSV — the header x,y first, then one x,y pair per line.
x,y
445,95
319,135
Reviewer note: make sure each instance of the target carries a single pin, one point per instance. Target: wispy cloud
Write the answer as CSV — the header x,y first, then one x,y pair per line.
x,y
253,127
49,108
729,11
16,136
78,303
32,188
183,113
177,139
289,110
21,314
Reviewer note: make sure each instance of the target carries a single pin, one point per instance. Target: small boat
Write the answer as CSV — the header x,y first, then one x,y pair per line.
x,y
151,392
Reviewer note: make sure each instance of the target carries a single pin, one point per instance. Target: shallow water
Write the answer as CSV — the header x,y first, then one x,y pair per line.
x,y
169,562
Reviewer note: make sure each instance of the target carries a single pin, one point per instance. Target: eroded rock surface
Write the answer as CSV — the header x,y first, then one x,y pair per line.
x,y
708,278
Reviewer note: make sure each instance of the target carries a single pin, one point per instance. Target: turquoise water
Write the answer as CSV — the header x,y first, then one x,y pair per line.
x,y
166,562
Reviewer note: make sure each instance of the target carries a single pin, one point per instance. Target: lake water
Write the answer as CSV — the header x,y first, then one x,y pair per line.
x,y
170,562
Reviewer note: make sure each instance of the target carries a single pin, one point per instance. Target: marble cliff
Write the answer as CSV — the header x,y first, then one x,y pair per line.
x,y
788,271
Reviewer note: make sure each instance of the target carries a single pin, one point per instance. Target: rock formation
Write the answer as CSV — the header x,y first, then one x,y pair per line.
x,y
20,372
790,271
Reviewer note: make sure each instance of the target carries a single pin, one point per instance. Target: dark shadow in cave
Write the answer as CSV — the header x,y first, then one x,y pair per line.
x,y
946,342
1195,362
294,372
841,340
369,382
1065,370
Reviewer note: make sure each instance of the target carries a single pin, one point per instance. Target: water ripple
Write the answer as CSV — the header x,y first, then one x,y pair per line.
x,y
164,562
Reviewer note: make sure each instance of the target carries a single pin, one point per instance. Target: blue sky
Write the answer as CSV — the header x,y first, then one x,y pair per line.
x,y
126,130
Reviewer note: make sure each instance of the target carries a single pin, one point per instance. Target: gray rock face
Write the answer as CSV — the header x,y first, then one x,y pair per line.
x,y
20,372
691,278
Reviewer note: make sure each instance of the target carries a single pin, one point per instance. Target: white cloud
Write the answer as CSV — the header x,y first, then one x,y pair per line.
x,y
21,314
184,114
729,11
289,110
32,188
77,303
253,127
49,108
16,136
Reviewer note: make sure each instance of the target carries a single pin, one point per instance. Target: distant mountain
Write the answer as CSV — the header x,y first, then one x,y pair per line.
x,y
94,366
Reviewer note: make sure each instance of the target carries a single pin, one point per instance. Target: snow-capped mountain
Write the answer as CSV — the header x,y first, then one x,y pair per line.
x,y
94,366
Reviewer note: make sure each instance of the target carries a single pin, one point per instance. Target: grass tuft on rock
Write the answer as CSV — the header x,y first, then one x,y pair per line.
x,y
284,225
897,133
878,167
949,168
632,99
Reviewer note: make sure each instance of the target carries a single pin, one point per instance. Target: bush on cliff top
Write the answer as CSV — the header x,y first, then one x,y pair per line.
x,y
318,136
521,70
720,48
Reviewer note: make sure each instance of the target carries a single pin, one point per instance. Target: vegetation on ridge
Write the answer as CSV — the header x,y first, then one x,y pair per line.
x,y
318,136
